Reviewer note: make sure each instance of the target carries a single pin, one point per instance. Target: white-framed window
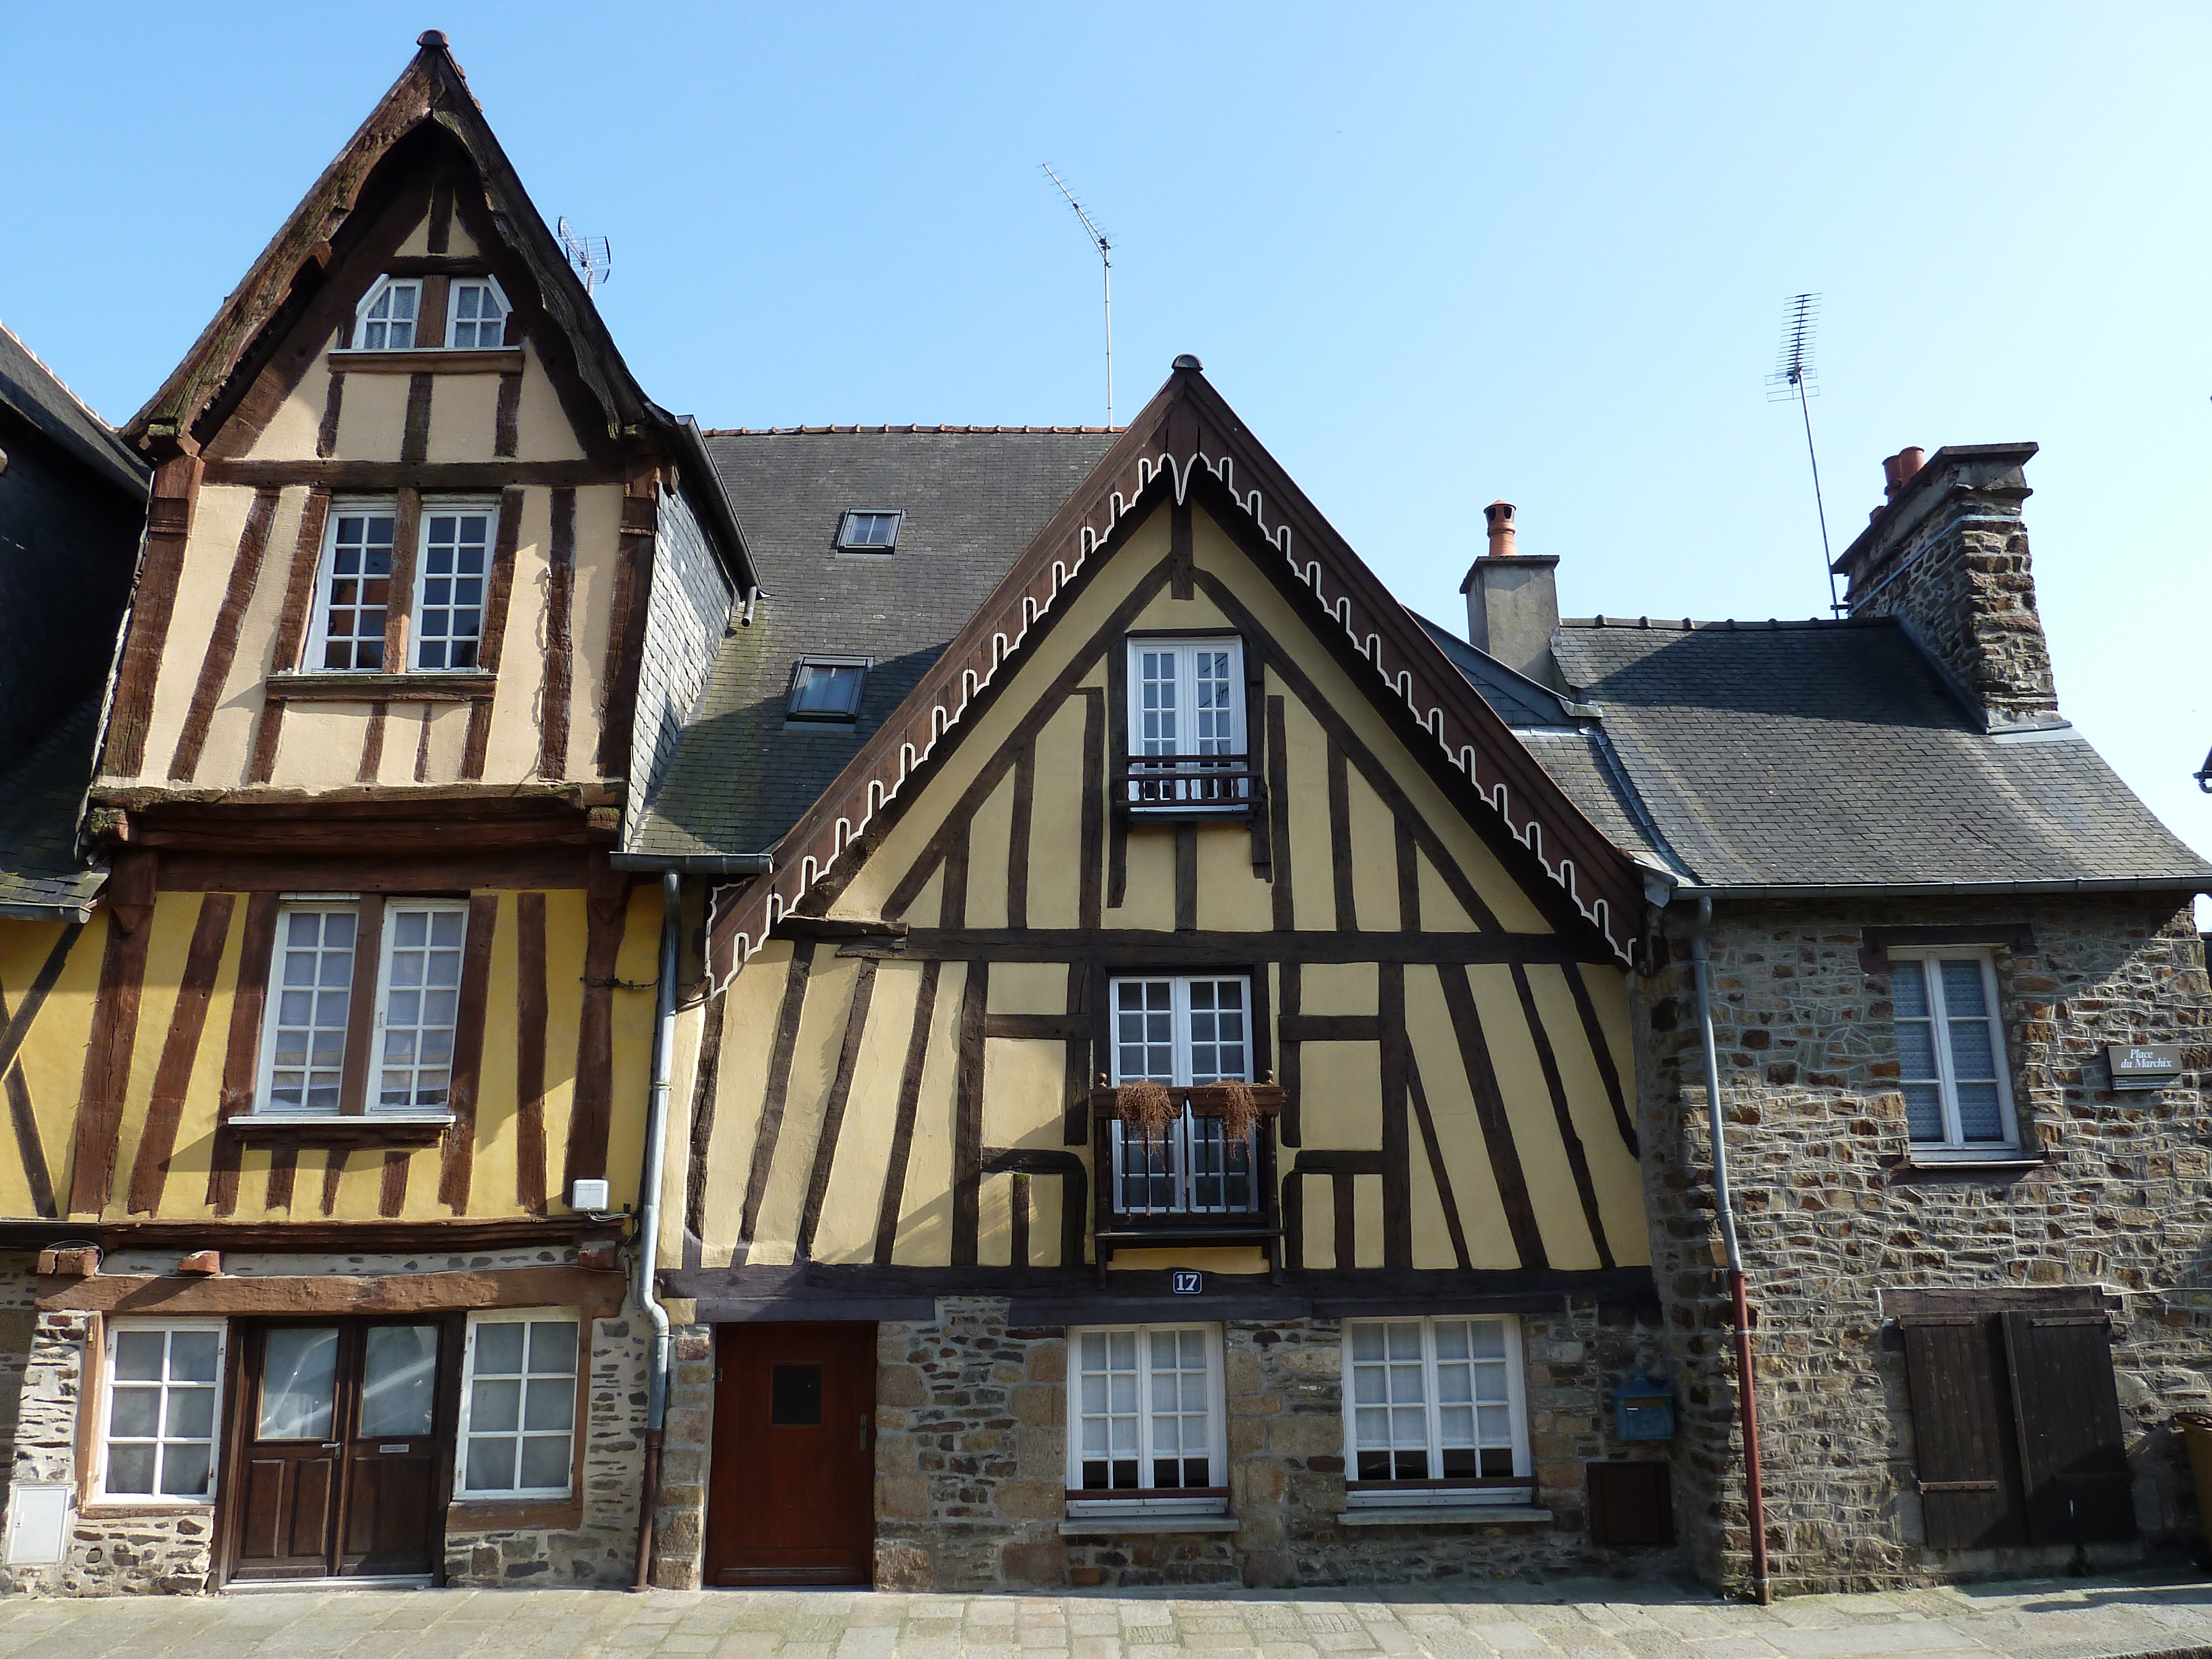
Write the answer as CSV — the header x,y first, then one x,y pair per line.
x,y
519,1403
310,996
1951,1050
354,590
450,573
869,530
1183,1031
388,315
476,314
1432,1404
1144,1419
827,688
418,1004
159,1424
1186,697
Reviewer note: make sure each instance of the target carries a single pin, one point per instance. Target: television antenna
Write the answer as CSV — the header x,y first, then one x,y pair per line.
x,y
1794,377
1106,271
593,259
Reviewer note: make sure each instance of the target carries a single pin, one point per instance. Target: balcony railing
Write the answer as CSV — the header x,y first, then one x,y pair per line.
x,y
1189,1180
1187,783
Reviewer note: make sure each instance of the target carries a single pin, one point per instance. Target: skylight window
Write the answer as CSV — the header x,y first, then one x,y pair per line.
x,y
869,530
827,688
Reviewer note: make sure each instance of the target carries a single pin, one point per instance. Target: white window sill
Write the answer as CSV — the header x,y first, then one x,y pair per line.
x,y
1086,1525
324,1120
1448,1515
124,1505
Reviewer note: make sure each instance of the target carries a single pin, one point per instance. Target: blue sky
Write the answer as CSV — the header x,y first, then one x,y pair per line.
x,y
1433,255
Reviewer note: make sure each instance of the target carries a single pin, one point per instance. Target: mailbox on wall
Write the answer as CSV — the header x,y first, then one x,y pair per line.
x,y
1644,1409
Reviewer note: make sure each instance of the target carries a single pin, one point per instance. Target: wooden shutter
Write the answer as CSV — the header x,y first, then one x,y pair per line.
x,y
1970,1488
1629,1503
2072,1453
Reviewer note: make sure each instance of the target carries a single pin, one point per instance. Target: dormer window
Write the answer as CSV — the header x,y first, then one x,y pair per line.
x,y
389,315
827,688
1187,751
478,316
869,530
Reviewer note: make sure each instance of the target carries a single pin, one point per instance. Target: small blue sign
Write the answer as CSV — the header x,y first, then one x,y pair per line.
x,y
1186,1282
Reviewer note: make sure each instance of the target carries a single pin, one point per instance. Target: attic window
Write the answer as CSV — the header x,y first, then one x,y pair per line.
x,y
827,688
387,321
869,530
479,321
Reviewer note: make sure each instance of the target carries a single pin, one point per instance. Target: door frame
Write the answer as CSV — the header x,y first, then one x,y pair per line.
x,y
721,1444
240,1390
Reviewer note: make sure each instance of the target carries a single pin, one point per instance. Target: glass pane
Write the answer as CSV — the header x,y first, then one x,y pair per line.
x,y
545,1462
299,1372
1924,1111
1980,1117
496,1405
499,1350
136,1414
1972,1054
399,1379
553,1348
491,1463
1908,989
1962,993
184,1469
139,1356
191,1414
551,1402
1916,1048
131,1468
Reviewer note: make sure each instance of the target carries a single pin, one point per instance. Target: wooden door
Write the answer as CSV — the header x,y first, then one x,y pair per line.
x,y
1970,1492
2073,1454
791,1494
339,1445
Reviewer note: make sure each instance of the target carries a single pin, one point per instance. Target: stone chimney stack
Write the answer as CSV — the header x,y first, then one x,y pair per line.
x,y
1513,601
1947,555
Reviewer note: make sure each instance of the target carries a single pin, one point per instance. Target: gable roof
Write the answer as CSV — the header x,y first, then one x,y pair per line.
x,y
38,396
1187,434
1830,754
973,499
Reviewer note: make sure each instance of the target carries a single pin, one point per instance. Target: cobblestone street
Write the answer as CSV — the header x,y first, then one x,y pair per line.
x,y
2054,1618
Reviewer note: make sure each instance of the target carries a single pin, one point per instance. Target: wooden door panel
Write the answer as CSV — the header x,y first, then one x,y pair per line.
x,y
284,1530
1971,1493
2072,1451
388,1501
791,1490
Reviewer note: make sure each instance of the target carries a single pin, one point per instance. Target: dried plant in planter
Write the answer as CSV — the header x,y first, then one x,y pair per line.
x,y
1145,1106
1240,1114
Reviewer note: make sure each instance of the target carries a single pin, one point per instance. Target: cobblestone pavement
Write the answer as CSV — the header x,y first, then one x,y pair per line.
x,y
2053,1618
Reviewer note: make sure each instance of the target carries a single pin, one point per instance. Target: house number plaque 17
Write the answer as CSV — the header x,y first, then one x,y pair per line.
x,y
1186,1281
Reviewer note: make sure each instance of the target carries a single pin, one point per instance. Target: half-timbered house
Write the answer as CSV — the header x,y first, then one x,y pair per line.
x,y
341,1085
1165,1113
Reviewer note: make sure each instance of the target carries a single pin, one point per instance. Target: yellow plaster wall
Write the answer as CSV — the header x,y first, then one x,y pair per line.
x,y
292,431
1028,988
1024,1081
210,551
924,1226
599,530
463,417
1305,774
1559,1216
852,1203
1374,857
990,840
1231,896
1614,1176
1459,1131
813,1066
511,754
320,743
373,417
748,1028
1056,823
542,431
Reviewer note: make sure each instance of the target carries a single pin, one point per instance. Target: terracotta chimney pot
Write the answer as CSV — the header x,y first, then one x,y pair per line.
x,y
1500,516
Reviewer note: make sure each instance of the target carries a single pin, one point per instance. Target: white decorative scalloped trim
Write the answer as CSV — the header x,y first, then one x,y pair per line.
x,y
1529,834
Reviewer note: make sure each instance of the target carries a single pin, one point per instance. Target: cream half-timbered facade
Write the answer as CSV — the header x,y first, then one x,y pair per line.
x,y
1192,803
331,1113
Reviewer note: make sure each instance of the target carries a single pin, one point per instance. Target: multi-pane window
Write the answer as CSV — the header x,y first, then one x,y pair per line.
x,y
387,321
421,996
1187,748
869,530
310,991
159,1434
1183,1032
1950,1050
477,316
1145,1416
826,688
355,589
518,1405
1435,1399
450,587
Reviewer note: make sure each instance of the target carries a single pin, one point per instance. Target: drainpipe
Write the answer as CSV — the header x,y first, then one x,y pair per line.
x,y
648,1214
1747,1381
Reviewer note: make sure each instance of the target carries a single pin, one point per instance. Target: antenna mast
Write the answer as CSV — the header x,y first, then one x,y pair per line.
x,y
593,259
1106,270
1794,377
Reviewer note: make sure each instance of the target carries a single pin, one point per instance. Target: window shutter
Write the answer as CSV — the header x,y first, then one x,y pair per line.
x,y
1969,1492
2071,1448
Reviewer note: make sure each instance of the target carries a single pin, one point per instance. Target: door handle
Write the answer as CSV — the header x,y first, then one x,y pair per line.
x,y
334,1445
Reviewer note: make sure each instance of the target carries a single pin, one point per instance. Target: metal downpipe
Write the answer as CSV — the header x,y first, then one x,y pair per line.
x,y
648,1215
1762,1586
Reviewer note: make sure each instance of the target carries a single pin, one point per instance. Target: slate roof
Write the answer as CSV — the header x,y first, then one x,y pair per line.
x,y
1831,754
40,796
973,498
38,396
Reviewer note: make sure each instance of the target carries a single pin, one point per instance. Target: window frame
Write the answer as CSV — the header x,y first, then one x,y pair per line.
x,y
465,1494
1953,1146
824,717
318,620
386,943
264,1106
1150,1500
1437,1489
97,1495
843,544
456,506
1183,1133
453,313
383,285
1186,650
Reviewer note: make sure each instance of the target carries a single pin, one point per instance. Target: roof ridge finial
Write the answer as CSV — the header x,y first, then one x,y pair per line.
x,y
433,38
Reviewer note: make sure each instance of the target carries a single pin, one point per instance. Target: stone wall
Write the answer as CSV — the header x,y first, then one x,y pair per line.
x,y
1831,1218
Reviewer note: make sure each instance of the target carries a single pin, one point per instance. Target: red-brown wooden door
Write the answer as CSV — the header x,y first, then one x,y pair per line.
x,y
340,1440
790,1497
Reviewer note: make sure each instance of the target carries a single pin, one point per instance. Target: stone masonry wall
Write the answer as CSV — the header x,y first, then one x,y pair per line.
x,y
1829,1221
18,1315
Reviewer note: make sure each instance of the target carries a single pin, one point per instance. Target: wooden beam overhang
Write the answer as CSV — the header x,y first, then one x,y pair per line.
x,y
377,819
1187,433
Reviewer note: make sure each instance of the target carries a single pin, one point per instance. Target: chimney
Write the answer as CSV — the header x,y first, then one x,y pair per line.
x,y
1513,601
1947,555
